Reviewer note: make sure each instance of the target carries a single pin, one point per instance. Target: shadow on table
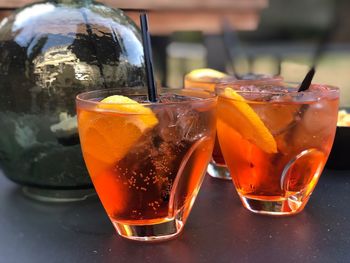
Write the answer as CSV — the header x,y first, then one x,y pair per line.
x,y
87,217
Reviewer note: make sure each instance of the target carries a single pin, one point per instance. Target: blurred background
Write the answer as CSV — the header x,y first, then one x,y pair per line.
x,y
272,36
284,42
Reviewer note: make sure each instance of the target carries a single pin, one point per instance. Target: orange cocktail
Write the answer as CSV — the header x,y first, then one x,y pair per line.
x,y
147,160
275,142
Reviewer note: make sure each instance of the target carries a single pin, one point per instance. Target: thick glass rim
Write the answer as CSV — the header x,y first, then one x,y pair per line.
x,y
263,80
232,80
86,97
330,89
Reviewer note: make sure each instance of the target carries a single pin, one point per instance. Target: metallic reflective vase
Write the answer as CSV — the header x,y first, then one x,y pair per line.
x,y
50,52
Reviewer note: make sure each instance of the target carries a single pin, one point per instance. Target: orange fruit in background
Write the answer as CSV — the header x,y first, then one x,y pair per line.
x,y
203,78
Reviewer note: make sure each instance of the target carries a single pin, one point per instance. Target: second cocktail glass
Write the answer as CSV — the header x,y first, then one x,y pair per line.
x,y
276,142
147,160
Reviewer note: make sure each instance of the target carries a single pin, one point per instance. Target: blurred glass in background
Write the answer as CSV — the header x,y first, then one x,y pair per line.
x,y
284,43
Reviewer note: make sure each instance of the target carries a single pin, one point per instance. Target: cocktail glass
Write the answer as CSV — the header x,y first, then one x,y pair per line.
x,y
275,142
147,160
217,167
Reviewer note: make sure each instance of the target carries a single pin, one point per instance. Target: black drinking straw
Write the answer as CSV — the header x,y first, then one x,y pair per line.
x,y
147,50
307,80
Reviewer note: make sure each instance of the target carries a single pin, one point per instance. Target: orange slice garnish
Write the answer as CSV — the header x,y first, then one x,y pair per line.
x,y
236,112
109,131
145,118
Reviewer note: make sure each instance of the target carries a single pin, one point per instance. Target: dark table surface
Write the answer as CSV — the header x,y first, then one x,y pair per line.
x,y
219,229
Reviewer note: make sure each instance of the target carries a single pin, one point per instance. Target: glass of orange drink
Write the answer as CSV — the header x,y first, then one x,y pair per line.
x,y
207,79
275,141
147,160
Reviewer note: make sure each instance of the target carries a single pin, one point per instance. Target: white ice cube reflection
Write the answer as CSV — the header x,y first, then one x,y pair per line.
x,y
265,92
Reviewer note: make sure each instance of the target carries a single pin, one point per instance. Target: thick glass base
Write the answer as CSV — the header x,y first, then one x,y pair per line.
x,y
278,207
218,171
150,233
52,195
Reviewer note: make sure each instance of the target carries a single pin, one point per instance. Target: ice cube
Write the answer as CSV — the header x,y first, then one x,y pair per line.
x,y
250,88
278,117
264,92
178,122
187,122
319,117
